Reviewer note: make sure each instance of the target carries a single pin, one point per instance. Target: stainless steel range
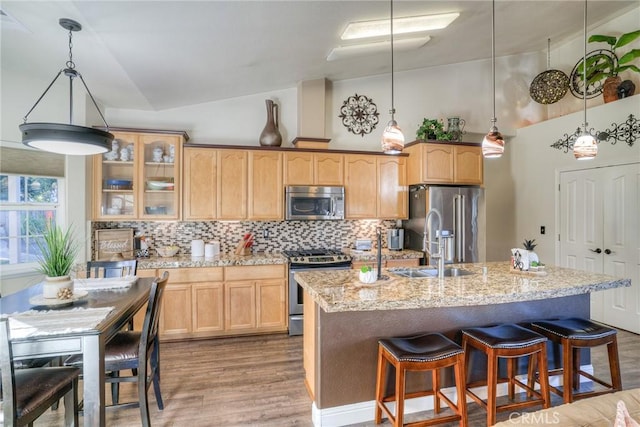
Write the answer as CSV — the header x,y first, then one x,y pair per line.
x,y
309,260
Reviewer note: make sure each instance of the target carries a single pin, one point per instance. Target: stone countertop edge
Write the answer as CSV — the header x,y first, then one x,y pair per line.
x,y
341,291
225,260
371,255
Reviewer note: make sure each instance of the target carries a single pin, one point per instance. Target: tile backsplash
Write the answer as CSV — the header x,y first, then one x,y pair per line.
x,y
270,236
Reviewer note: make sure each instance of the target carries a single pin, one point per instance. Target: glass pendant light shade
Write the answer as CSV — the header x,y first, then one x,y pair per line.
x,y
585,147
392,139
493,144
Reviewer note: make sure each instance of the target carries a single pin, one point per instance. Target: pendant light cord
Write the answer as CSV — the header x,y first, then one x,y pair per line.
x,y
393,108
584,68
493,59
548,54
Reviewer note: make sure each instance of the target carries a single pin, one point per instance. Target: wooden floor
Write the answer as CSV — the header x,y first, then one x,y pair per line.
x,y
258,381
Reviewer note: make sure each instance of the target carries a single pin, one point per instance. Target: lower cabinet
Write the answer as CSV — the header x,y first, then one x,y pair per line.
x,y
219,301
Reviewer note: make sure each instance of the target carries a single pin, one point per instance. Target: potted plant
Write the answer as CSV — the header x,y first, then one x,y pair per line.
x,y
433,129
598,68
57,254
530,245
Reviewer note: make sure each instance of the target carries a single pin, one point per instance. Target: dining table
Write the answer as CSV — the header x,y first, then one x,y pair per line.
x,y
84,325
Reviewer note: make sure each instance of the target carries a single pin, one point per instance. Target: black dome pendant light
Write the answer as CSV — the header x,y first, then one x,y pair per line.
x,y
67,138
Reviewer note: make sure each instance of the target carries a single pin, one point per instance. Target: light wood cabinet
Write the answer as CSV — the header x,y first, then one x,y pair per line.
x,y
309,168
142,179
266,189
192,305
223,301
434,163
232,184
392,188
200,184
375,187
360,186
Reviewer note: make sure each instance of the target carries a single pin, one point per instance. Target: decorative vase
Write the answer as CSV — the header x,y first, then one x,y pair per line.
x,y
270,135
369,277
52,285
455,126
610,88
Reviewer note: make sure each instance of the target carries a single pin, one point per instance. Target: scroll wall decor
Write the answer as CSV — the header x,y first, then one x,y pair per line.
x,y
627,131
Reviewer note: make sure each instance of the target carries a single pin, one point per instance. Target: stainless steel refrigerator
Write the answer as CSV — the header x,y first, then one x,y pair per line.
x,y
462,211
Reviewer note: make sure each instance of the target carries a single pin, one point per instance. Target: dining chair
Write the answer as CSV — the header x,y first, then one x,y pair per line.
x,y
111,269
139,350
28,393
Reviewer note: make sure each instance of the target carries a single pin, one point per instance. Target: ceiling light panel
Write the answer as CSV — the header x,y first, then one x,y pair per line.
x,y
343,52
409,24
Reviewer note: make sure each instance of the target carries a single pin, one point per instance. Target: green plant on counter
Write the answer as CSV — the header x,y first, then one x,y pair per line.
x,y
598,69
529,244
57,252
433,129
365,269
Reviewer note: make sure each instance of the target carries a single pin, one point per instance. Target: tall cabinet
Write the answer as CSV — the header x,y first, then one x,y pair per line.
x,y
140,178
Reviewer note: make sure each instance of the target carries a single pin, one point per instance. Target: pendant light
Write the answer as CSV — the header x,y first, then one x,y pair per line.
x,y
493,143
67,138
586,146
392,137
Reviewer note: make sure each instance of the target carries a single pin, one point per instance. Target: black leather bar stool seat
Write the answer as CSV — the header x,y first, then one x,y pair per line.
x,y
573,334
511,342
428,352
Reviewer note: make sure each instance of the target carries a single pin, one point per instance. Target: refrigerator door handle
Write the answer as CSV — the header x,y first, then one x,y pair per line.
x,y
459,226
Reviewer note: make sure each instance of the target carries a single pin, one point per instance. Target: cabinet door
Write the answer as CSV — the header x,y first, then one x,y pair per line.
x,y
208,307
392,188
232,184
298,169
438,163
328,169
271,313
114,181
159,183
266,191
360,186
175,315
468,165
240,306
200,190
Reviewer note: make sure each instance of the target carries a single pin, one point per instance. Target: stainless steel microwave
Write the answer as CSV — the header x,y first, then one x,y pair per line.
x,y
314,203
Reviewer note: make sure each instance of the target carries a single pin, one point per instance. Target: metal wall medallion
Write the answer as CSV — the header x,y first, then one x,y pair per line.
x,y
605,60
359,114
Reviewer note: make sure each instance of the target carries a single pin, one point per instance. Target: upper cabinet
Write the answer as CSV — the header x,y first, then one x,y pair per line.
x,y
266,188
446,163
140,177
309,168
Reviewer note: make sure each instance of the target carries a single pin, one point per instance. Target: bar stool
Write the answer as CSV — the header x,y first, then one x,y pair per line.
x,y
508,341
428,352
574,334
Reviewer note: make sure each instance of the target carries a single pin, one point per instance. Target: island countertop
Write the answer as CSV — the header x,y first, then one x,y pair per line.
x,y
341,291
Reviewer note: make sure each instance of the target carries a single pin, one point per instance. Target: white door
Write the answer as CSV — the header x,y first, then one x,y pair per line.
x,y
600,232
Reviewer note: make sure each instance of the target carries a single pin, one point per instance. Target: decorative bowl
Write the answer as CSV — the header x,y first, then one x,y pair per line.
x,y
167,251
368,277
155,210
160,183
118,184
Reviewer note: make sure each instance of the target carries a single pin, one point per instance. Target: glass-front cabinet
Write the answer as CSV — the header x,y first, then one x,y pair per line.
x,y
140,177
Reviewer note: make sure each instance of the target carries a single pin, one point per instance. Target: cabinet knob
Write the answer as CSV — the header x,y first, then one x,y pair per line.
x,y
608,251
597,250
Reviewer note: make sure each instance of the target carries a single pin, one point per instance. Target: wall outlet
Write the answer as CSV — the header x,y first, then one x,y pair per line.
x,y
265,233
542,229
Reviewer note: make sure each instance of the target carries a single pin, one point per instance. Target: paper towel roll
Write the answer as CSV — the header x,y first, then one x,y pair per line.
x,y
197,248
209,250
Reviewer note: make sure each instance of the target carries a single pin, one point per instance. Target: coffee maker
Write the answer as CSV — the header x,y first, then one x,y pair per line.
x,y
395,239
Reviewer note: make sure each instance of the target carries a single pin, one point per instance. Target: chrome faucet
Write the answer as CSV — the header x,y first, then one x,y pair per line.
x,y
439,242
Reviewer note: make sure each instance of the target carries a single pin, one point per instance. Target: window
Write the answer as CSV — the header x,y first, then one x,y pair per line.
x,y
27,205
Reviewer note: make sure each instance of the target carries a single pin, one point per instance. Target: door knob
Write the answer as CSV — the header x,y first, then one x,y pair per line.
x,y
597,250
608,251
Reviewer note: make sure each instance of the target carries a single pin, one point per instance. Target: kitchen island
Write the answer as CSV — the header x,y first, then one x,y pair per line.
x,y
344,320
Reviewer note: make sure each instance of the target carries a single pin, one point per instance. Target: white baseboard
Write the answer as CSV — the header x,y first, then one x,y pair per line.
x,y
365,411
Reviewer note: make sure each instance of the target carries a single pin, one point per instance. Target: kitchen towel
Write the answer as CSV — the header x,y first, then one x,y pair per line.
x,y
93,284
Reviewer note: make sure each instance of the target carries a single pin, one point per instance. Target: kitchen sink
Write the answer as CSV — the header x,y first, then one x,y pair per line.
x,y
426,272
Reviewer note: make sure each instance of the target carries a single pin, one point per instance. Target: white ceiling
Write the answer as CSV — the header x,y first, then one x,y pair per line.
x,y
155,55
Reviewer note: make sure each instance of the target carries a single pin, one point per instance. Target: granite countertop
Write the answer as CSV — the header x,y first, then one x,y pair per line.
x,y
224,260
340,290
371,255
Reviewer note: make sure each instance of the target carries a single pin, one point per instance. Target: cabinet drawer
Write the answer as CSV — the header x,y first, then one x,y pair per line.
x,y
257,272
190,275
